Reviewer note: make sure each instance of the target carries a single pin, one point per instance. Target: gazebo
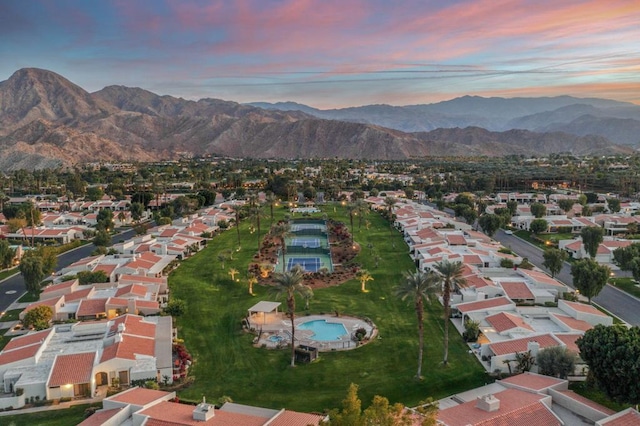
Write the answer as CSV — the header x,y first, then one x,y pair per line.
x,y
263,311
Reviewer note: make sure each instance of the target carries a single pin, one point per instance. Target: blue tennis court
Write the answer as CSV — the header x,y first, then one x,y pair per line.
x,y
305,242
304,226
309,264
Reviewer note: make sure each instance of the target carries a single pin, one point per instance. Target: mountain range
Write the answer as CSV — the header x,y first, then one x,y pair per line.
x,y
47,121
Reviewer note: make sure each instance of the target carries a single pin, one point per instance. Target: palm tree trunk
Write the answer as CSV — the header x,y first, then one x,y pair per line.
x,y
419,313
258,223
291,302
284,269
446,301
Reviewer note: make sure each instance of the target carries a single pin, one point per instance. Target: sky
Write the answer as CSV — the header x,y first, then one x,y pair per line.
x,y
332,53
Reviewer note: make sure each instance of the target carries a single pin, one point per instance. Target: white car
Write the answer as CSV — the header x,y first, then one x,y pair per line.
x,y
508,232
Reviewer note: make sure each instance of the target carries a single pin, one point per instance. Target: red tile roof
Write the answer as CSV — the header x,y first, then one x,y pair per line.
x,y
570,341
520,345
57,287
456,240
72,369
294,418
517,290
136,289
138,396
504,321
182,414
128,348
532,381
483,304
135,325
516,408
581,307
630,418
7,357
588,402
101,417
574,324
541,277
91,307
28,339
107,269
79,294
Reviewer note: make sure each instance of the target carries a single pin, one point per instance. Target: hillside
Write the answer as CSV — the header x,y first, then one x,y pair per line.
x,y
47,121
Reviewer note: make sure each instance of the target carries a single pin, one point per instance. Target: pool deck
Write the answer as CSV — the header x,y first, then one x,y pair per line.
x,y
280,325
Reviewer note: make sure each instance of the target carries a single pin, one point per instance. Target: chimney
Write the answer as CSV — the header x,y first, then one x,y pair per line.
x,y
203,411
534,347
488,403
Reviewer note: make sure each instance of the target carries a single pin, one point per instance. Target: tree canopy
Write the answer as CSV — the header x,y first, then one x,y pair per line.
x,y
538,226
592,236
553,260
490,223
589,277
38,317
612,354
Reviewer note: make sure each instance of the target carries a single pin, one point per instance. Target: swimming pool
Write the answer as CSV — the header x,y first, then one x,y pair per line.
x,y
275,338
325,331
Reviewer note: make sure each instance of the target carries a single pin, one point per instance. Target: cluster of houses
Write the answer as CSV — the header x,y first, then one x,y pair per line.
x,y
116,336
108,332
517,309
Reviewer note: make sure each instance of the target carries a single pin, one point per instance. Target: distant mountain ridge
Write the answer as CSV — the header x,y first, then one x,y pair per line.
x,y
47,121
548,114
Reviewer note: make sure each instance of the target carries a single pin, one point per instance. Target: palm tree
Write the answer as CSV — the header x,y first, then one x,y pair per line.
x,y
390,202
280,231
236,208
271,200
362,208
252,280
451,273
352,209
363,276
233,272
418,287
222,258
255,213
290,283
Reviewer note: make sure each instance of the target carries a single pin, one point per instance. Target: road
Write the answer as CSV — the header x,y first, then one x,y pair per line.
x,y
619,303
13,288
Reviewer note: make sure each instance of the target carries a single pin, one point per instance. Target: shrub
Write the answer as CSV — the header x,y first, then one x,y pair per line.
x,y
19,391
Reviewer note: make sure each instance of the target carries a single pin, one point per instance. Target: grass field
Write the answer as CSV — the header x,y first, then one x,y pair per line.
x,y
11,315
63,417
626,284
227,364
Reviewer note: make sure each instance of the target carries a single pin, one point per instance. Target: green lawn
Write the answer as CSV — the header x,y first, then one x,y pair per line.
x,y
62,417
227,364
11,315
9,273
626,284
548,240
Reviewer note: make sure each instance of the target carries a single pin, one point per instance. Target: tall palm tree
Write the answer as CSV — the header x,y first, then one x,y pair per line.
x,y
255,212
417,287
271,200
290,283
451,273
280,231
390,202
237,209
352,210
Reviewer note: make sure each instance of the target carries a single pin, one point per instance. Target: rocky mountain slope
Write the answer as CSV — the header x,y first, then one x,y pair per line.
x,y
47,121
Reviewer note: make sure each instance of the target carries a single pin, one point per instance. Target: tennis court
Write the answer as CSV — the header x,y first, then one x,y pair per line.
x,y
309,264
307,226
305,242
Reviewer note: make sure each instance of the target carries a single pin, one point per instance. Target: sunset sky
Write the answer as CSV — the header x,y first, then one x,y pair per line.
x,y
332,53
